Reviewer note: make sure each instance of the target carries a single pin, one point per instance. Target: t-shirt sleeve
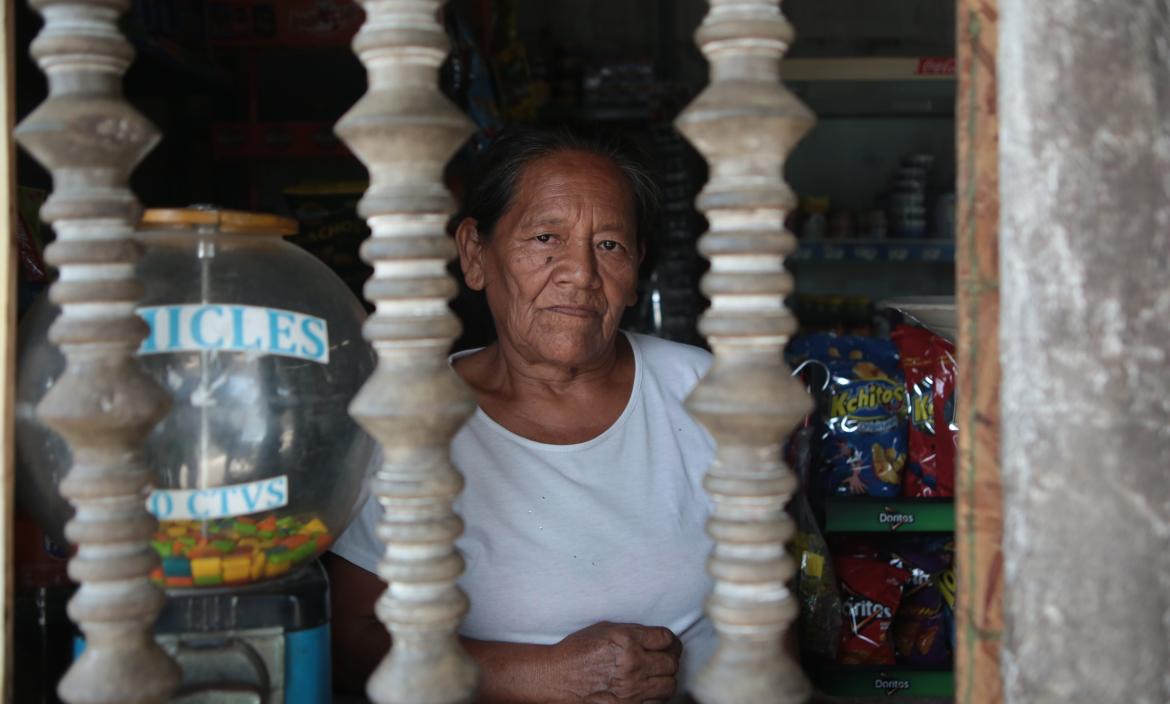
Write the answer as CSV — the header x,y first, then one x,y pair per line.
x,y
678,366
359,543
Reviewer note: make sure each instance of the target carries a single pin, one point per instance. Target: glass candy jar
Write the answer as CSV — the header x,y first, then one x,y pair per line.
x,y
259,464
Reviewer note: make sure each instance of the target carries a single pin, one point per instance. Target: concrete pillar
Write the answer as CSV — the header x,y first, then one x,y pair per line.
x,y
1084,96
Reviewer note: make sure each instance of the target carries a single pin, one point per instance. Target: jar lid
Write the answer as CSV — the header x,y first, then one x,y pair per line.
x,y
236,221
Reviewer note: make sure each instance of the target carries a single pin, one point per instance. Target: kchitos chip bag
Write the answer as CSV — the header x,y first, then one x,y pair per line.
x,y
864,448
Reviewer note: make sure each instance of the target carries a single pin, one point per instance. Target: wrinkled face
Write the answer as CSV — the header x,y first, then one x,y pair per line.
x,y
562,264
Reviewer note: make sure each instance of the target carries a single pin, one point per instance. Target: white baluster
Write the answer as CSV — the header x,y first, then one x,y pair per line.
x,y
745,123
103,404
405,130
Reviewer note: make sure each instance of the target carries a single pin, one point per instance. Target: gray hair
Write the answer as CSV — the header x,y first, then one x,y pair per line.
x,y
493,188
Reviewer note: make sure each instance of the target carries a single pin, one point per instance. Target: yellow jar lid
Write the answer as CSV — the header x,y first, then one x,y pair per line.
x,y
236,221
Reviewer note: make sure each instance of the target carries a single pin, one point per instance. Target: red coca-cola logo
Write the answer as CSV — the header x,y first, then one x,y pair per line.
x,y
936,66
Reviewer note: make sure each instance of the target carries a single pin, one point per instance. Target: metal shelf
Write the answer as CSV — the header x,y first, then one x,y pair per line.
x,y
894,680
872,515
912,68
941,251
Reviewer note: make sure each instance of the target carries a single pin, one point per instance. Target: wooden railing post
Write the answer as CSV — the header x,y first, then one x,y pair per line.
x,y
103,404
405,130
745,123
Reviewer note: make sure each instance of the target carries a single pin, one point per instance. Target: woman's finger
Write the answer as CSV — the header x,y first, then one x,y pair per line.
x,y
658,664
660,688
655,637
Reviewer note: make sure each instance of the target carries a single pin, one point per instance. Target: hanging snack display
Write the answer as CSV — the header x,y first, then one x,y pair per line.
x,y
864,446
259,345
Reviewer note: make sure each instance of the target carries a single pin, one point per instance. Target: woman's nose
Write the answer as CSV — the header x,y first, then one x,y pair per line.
x,y
579,265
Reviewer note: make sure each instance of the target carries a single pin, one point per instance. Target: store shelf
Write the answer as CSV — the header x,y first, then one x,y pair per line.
x,y
296,24
913,68
875,251
597,113
852,681
272,140
871,515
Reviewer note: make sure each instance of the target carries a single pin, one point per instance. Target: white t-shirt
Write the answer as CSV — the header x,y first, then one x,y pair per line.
x,y
559,537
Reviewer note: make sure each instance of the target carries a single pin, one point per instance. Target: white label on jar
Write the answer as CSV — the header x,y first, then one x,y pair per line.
x,y
234,328
219,501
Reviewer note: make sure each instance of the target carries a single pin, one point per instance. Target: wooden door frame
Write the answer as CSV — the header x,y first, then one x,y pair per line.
x,y
978,501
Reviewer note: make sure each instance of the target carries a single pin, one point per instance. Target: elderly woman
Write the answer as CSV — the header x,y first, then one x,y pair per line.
x,y
583,505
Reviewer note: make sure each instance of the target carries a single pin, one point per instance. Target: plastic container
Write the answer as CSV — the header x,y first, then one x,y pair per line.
x,y
260,347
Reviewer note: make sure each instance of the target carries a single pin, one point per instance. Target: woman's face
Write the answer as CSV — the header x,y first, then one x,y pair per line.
x,y
562,264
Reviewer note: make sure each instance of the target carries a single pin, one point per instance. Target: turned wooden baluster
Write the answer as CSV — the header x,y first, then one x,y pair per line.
x,y
405,130
745,123
104,404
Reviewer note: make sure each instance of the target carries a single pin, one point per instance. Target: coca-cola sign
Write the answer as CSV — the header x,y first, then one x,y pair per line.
x,y
936,66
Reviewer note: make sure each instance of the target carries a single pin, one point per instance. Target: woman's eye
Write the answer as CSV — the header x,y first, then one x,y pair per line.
x,y
544,237
610,245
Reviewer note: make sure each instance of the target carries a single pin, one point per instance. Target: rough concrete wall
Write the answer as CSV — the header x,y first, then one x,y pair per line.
x,y
1085,333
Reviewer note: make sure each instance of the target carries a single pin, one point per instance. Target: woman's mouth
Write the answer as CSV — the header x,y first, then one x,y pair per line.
x,y
574,311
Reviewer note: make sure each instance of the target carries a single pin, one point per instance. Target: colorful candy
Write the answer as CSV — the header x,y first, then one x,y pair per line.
x,y
235,550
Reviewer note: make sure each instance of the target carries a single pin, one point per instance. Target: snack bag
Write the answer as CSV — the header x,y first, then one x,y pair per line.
x,y
864,448
871,590
820,604
946,437
919,361
921,628
947,585
803,449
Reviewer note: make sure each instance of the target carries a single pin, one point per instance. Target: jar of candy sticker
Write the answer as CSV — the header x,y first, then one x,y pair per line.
x,y
259,464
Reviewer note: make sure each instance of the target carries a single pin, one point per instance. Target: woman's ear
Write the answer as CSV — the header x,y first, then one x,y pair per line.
x,y
470,245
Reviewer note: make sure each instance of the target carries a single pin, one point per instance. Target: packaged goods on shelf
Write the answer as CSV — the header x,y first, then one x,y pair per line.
x,y
820,602
871,594
923,627
291,23
946,435
916,349
863,450
330,227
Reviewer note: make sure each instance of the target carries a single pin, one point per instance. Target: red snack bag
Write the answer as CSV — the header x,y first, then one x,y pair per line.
x,y
946,434
918,357
871,589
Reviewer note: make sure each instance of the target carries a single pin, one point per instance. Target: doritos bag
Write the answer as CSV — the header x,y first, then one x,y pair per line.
x,y
921,628
871,590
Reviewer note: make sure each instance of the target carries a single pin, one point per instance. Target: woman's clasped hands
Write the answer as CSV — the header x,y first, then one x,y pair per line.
x,y
620,663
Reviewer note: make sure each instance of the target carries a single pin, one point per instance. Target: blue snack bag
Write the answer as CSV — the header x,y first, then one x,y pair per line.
x,y
864,445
